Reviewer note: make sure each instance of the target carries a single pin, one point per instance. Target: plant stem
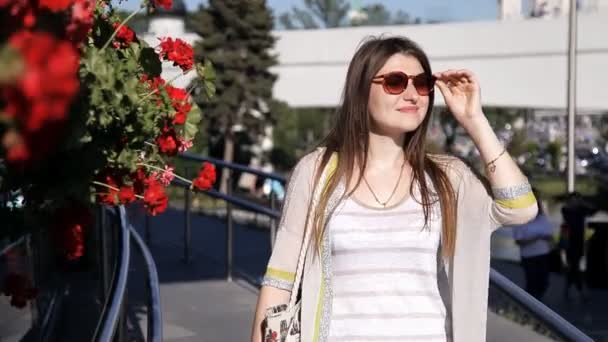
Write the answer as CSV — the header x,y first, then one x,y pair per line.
x,y
163,170
120,26
113,188
162,86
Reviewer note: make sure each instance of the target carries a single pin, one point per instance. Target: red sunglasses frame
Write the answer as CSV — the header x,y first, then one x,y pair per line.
x,y
407,78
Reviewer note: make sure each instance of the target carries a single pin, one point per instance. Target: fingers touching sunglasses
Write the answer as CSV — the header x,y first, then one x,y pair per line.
x,y
396,82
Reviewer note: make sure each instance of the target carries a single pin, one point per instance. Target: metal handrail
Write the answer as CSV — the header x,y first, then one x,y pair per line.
x,y
155,326
232,166
110,316
241,202
558,324
116,300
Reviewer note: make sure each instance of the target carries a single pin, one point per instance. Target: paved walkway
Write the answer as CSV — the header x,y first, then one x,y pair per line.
x,y
199,305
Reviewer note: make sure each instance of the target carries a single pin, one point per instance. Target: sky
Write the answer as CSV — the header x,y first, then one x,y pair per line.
x,y
450,10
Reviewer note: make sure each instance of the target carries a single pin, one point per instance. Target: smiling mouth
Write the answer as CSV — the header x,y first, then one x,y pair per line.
x,y
408,109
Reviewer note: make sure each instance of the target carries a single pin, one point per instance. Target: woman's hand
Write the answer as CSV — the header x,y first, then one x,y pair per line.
x,y
462,94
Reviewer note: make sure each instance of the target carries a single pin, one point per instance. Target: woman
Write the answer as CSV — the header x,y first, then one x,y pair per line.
x,y
400,238
535,241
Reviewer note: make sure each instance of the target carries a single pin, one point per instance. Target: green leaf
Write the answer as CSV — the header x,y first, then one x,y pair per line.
x,y
150,61
191,124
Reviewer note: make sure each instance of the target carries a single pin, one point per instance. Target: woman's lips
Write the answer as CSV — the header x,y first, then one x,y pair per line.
x,y
408,109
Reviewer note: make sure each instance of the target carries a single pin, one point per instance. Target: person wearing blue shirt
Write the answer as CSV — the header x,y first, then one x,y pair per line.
x,y
534,240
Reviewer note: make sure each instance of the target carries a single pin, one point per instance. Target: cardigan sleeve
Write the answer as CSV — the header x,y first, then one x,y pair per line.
x,y
281,269
512,205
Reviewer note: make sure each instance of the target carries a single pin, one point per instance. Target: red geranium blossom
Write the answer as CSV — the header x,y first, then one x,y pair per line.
x,y
107,195
33,101
168,143
68,230
179,100
205,178
55,5
126,194
184,144
139,180
177,51
155,198
81,20
124,36
164,3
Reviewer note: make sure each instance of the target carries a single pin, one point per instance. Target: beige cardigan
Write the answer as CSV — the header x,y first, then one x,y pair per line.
x,y
464,286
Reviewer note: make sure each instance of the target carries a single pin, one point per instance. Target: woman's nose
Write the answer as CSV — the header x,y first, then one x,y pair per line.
x,y
410,93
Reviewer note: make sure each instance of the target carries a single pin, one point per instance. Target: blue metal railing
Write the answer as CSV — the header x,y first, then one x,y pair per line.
x,y
155,321
113,313
556,324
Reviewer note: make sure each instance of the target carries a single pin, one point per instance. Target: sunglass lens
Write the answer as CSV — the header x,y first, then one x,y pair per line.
x,y
395,83
423,84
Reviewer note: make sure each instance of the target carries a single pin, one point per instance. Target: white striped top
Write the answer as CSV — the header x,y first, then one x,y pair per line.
x,y
384,265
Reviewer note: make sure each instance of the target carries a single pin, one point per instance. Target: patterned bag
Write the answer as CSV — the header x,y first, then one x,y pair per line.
x,y
282,324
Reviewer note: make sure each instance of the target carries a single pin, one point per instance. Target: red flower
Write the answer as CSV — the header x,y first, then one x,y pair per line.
x,y
81,20
177,51
56,5
167,176
164,3
124,36
68,230
179,100
139,180
154,197
184,144
153,83
168,142
205,178
126,194
107,195
38,106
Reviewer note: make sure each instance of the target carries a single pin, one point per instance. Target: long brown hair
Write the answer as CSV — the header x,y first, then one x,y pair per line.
x,y
349,137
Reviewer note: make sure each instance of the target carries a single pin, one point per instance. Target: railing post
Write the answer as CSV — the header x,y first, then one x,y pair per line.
x,y
229,229
273,222
187,226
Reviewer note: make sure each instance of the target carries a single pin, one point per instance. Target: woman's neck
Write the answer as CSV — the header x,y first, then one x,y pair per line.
x,y
384,151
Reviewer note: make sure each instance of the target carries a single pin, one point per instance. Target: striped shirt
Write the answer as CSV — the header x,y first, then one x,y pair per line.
x,y
384,266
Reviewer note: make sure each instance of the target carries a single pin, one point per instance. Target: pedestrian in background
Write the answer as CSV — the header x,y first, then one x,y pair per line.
x,y
535,243
574,212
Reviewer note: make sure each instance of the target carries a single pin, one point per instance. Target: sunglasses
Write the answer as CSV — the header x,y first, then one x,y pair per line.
x,y
395,82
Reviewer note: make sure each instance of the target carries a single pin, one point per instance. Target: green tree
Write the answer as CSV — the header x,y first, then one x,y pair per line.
x,y
237,41
316,14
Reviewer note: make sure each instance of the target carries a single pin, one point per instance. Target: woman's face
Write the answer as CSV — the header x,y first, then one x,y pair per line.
x,y
400,113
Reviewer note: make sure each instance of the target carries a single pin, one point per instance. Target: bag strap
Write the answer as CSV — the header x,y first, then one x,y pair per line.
x,y
329,168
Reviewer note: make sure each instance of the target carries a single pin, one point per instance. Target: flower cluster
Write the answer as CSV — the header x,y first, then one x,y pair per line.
x,y
81,96
34,105
177,51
